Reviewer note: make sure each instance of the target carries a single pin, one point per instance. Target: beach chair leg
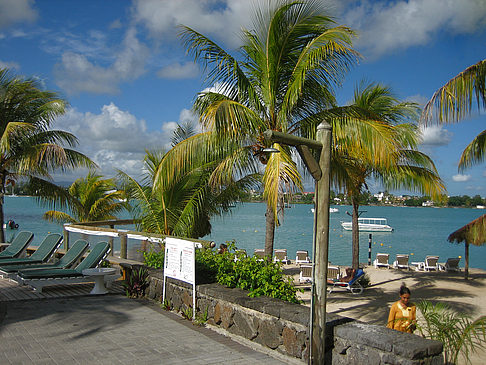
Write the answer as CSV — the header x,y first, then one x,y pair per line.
x,y
356,288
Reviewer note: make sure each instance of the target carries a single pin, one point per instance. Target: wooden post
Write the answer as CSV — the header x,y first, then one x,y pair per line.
x,y
466,266
319,283
110,242
123,245
66,239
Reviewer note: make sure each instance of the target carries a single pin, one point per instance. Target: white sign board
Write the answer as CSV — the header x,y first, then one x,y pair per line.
x,y
180,260
180,264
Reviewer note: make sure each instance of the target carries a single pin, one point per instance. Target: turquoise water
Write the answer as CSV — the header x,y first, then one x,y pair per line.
x,y
418,231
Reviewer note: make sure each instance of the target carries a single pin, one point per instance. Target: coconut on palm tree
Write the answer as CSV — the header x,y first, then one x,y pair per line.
x,y
28,148
88,199
283,73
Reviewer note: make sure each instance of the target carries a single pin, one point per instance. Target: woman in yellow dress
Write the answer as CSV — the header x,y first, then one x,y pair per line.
x,y
402,315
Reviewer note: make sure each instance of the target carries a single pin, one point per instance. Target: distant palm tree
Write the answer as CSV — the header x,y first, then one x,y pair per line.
x,y
400,166
455,101
176,195
88,199
283,74
28,148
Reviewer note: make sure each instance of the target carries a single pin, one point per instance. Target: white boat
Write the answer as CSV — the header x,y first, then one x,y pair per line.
x,y
331,210
369,225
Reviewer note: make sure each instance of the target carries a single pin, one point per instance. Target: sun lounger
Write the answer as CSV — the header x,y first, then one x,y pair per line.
x,y
452,264
42,254
281,256
305,275
333,273
381,260
430,263
302,257
259,253
71,257
401,262
349,282
43,277
18,245
239,254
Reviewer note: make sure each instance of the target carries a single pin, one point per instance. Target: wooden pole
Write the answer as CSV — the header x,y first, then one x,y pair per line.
x,y
319,283
466,266
110,241
66,239
123,245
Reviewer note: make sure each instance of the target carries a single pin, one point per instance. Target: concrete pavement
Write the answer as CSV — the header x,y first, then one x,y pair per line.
x,y
111,329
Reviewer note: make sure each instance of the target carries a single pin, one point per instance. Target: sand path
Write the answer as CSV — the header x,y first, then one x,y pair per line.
x,y
373,304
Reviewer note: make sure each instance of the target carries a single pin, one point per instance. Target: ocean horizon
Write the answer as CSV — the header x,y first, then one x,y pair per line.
x,y
418,231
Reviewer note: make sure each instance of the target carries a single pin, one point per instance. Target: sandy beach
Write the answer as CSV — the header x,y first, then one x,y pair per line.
x,y
373,304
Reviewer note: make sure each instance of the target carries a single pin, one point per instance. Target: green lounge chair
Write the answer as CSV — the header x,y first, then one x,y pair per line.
x,y
42,254
69,259
18,245
43,277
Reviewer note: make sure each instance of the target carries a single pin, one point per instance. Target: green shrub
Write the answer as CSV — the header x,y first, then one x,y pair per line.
x,y
258,277
154,259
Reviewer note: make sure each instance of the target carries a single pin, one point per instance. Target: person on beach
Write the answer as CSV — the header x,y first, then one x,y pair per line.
x,y
402,315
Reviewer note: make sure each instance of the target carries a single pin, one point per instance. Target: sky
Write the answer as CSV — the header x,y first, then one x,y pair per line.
x,y
128,80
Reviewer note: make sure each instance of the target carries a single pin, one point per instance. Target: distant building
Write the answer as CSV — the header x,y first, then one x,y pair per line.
x,y
428,203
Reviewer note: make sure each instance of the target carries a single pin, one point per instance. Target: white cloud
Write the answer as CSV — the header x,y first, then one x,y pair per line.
x,y
222,19
461,178
385,26
177,70
10,65
435,135
116,139
16,11
76,73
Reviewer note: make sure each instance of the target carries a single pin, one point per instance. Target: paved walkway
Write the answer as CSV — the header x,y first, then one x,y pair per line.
x,y
111,329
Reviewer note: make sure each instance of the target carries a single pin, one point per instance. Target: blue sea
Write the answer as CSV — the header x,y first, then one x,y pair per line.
x,y
417,231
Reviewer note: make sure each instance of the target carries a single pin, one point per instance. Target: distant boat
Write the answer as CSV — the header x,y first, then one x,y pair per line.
x,y
331,210
369,225
11,225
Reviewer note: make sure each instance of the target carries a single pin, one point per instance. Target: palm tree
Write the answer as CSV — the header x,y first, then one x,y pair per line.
x,y
459,334
402,166
28,148
283,74
455,101
176,196
88,199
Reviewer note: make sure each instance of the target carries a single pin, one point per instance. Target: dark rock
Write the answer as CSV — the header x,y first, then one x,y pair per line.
x,y
269,333
245,325
293,341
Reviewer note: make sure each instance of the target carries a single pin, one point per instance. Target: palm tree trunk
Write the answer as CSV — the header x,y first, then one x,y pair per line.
x,y
269,231
2,197
355,234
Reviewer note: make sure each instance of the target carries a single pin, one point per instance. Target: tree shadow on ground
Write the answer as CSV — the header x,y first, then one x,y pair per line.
x,y
74,317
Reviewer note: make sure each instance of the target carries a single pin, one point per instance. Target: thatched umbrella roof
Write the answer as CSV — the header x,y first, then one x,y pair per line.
x,y
472,233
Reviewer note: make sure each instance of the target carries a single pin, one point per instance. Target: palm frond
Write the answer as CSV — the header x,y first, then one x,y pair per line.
x,y
474,152
455,100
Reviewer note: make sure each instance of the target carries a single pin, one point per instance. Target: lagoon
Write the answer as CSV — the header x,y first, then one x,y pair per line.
x,y
418,231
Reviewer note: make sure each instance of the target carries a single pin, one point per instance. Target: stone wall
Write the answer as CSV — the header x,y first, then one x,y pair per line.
x,y
283,326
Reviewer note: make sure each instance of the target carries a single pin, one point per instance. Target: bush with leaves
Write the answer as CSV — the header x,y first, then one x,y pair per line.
x,y
248,273
154,259
460,334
